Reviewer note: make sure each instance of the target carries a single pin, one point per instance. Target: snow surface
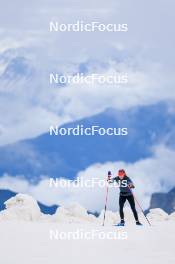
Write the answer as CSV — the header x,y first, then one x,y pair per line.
x,y
30,237
172,216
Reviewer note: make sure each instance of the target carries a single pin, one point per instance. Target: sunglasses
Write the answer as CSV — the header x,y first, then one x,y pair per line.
x,y
121,172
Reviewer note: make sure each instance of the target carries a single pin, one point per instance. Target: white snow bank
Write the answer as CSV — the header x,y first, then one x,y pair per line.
x,y
74,213
111,218
172,216
157,215
21,207
24,207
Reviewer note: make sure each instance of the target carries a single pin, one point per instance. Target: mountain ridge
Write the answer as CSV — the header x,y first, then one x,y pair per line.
x,y
65,156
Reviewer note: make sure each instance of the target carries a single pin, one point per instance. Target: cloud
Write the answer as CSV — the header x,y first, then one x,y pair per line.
x,y
143,52
36,106
150,175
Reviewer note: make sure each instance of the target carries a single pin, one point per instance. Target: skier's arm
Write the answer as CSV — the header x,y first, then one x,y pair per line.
x,y
130,184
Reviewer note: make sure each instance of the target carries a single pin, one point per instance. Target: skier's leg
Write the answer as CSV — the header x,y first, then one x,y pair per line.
x,y
131,201
122,200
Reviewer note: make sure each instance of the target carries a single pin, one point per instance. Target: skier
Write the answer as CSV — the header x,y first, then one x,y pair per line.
x,y
125,185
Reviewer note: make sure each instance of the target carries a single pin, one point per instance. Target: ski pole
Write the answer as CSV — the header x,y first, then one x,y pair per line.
x,y
139,206
106,200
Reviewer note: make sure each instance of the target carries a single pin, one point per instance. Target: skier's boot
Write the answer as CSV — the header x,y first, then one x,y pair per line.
x,y
122,223
138,223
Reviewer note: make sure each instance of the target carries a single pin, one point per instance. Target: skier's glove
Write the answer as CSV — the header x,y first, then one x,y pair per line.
x,y
131,186
109,178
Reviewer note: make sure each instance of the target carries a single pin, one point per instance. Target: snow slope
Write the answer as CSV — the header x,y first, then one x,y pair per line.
x,y
73,236
30,243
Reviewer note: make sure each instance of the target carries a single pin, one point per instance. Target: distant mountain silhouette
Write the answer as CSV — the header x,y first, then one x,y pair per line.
x,y
165,201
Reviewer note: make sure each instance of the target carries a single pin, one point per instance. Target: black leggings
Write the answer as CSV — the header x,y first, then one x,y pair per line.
x,y
131,201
